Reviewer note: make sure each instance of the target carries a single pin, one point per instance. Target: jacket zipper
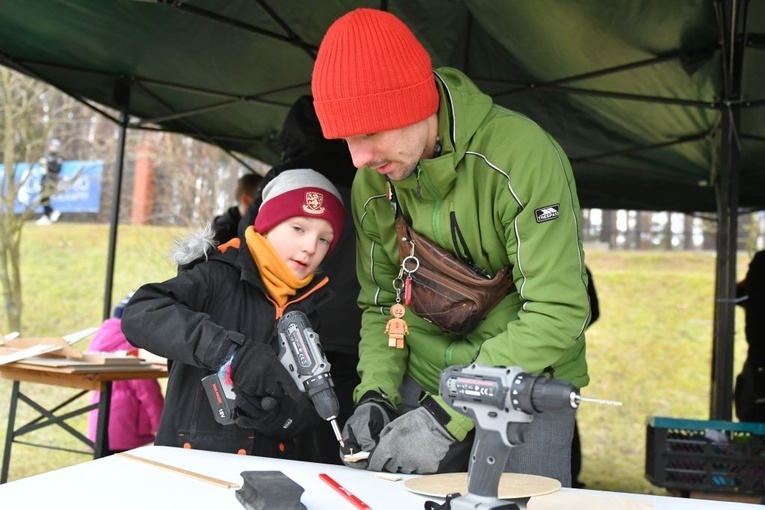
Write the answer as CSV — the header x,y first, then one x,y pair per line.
x,y
438,204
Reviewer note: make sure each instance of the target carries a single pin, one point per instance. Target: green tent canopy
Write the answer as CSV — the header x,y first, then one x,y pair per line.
x,y
636,92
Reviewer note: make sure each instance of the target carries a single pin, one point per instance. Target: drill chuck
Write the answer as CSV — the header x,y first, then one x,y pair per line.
x,y
321,391
537,394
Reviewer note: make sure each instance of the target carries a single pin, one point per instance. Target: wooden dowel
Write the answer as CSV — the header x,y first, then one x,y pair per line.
x,y
192,474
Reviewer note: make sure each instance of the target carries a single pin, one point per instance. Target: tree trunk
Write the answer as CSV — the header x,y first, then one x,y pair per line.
x,y
10,276
607,228
667,238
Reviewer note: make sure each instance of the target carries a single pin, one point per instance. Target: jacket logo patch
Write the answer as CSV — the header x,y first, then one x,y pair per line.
x,y
314,203
547,213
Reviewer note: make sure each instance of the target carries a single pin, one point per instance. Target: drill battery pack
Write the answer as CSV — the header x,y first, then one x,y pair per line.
x,y
221,395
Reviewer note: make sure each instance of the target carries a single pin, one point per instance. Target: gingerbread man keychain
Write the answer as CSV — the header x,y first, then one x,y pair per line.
x,y
397,327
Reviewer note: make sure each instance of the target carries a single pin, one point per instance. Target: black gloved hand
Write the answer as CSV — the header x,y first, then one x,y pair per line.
x,y
362,430
283,418
267,398
256,372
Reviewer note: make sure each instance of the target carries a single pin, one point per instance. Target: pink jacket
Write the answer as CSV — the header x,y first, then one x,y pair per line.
x,y
136,405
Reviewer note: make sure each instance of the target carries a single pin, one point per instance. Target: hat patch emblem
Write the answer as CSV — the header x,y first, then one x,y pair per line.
x,y
314,203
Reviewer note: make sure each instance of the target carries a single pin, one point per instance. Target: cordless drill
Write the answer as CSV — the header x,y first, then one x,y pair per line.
x,y
500,401
301,354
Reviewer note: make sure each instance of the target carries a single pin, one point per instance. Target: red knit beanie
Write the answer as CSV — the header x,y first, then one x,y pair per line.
x,y
300,192
371,75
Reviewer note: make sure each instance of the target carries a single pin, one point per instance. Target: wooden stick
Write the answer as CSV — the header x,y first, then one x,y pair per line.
x,y
192,474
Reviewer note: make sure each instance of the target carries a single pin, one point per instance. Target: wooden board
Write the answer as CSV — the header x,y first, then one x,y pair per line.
x,y
69,366
57,347
511,485
11,355
54,347
86,380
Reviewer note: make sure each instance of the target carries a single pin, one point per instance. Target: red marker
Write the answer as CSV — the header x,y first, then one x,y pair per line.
x,y
345,492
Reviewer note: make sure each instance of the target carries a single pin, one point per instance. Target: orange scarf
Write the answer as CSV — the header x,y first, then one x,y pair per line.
x,y
280,282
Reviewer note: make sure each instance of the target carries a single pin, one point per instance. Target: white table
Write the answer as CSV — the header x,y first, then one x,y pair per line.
x,y
117,482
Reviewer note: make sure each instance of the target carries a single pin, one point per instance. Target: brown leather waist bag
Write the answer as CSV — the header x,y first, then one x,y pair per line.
x,y
445,290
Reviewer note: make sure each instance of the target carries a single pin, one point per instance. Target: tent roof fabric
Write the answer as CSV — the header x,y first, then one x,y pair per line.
x,y
636,92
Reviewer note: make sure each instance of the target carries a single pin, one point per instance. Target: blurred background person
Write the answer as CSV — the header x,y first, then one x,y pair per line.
x,y
749,394
51,175
226,225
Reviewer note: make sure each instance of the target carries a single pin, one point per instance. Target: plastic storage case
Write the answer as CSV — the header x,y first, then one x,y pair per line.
x,y
699,455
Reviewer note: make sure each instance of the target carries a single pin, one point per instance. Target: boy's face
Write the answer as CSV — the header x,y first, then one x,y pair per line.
x,y
301,243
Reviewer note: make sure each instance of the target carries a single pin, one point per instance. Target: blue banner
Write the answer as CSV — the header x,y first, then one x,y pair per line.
x,y
79,190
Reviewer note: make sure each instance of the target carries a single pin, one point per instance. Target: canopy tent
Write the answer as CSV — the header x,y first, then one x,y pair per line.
x,y
658,104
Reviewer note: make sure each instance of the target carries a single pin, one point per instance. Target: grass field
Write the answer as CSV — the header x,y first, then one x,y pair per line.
x,y
651,348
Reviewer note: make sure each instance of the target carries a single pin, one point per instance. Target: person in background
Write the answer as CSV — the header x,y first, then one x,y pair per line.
x,y
488,185
303,146
220,312
136,405
51,175
749,392
226,225
576,444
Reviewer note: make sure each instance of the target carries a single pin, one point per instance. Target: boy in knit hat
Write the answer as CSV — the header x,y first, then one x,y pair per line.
x,y
486,184
302,145
228,300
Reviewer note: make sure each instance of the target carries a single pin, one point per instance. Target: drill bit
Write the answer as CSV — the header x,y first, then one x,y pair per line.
x,y
599,401
336,430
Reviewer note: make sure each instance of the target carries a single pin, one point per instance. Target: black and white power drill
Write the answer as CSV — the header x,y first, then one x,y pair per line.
x,y
500,401
301,354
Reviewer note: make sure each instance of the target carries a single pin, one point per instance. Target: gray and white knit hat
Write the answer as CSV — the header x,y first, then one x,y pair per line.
x,y
300,192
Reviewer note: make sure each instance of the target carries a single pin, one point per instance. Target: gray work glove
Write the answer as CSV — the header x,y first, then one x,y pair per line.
x,y
417,443
362,430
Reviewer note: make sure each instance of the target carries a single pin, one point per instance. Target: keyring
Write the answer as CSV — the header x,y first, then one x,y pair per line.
x,y
410,258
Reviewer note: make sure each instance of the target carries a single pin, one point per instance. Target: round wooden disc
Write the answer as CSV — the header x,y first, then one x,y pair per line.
x,y
511,485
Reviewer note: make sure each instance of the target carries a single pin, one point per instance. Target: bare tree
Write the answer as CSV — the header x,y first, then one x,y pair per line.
x,y
30,112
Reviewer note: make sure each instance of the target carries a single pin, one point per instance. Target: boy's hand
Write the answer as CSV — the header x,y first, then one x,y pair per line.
x,y
282,418
256,372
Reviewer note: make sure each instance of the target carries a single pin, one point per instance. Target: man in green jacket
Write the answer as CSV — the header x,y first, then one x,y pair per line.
x,y
488,185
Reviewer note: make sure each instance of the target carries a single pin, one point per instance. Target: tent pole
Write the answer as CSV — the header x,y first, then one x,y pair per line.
x,y
724,324
122,90
721,398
